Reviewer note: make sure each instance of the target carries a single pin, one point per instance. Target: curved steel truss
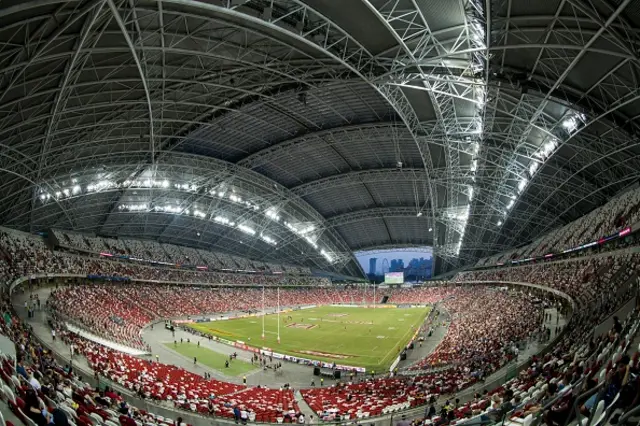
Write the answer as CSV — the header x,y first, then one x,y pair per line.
x,y
468,125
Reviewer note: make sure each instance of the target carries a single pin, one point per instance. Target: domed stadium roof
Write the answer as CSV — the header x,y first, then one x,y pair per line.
x,y
300,131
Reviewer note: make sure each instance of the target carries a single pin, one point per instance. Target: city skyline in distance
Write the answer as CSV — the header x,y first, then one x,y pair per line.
x,y
415,263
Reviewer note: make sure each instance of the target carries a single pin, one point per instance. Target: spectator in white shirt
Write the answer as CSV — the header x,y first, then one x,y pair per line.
x,y
34,382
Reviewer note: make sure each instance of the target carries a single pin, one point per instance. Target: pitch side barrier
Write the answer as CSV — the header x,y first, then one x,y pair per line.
x,y
200,420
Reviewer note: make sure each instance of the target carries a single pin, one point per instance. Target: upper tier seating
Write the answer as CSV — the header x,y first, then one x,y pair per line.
x,y
618,213
171,253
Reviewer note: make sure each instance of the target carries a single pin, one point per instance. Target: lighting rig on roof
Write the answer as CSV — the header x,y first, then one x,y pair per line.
x,y
479,63
303,229
572,121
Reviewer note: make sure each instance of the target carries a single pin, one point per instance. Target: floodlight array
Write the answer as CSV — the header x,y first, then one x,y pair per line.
x,y
479,60
570,123
302,229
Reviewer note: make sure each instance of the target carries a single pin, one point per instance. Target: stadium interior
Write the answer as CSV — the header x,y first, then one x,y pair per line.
x,y
365,212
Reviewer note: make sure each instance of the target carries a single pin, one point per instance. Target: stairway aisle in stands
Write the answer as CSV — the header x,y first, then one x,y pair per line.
x,y
304,408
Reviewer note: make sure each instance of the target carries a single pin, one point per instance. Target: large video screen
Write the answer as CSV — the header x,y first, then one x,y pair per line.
x,y
394,278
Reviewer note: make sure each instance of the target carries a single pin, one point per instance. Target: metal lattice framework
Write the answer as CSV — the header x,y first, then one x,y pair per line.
x,y
467,125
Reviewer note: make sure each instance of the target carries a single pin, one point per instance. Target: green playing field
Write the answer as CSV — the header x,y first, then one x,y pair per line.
x,y
361,337
212,359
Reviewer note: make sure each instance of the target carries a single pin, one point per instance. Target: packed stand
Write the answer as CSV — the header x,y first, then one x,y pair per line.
x,y
602,370
27,247
169,253
486,324
104,312
617,214
600,282
419,295
578,363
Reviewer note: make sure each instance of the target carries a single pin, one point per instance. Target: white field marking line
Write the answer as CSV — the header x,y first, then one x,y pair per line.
x,y
398,342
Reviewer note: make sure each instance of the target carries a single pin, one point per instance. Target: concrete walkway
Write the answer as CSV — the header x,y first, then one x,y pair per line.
x,y
423,349
295,375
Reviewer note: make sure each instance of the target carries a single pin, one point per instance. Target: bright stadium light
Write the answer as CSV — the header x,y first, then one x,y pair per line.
x,y
221,219
268,239
570,124
327,256
247,229
522,184
304,229
533,167
272,213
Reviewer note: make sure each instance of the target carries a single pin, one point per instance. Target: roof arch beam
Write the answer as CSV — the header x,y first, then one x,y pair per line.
x,y
616,147
352,55
363,177
442,215
534,112
572,97
404,22
260,157
376,213
179,83
141,71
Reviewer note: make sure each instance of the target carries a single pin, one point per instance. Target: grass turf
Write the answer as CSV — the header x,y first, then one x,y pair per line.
x,y
212,359
361,337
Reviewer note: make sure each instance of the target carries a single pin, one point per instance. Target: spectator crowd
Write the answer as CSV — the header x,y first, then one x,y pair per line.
x,y
486,323
619,213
